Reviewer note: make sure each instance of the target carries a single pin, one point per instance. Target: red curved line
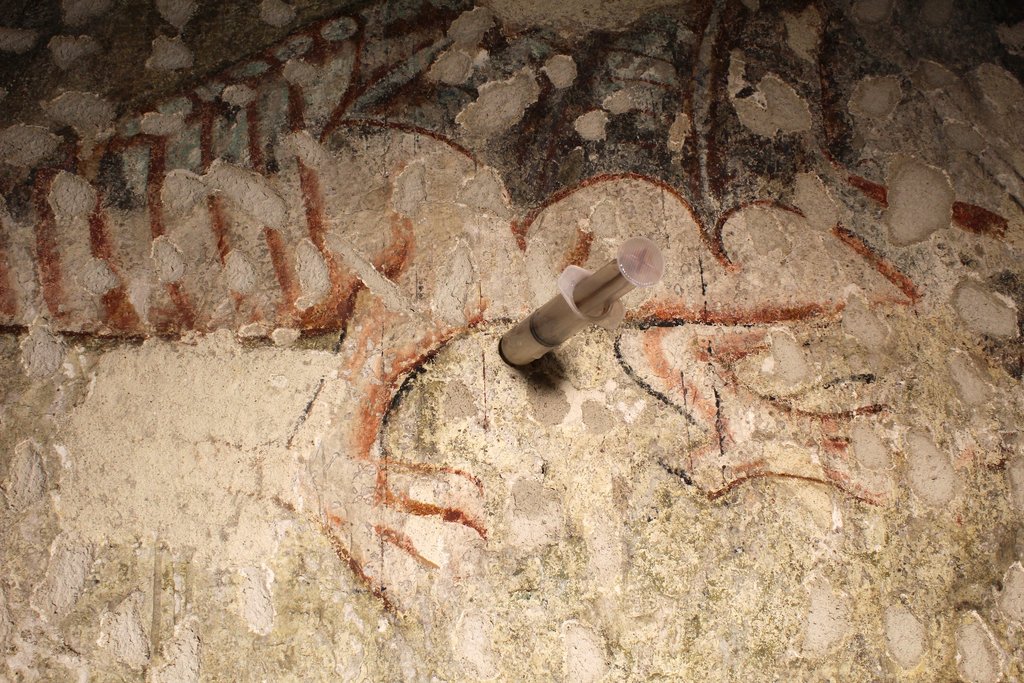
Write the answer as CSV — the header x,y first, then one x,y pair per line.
x,y
47,247
356,567
876,192
718,493
8,302
979,220
646,81
431,469
351,92
522,225
402,542
407,128
718,247
401,501
671,313
886,268
117,307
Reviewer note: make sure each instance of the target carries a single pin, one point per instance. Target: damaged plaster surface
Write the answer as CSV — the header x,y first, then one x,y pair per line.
x,y
255,263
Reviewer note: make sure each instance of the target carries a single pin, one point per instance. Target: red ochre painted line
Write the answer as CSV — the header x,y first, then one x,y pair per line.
x,y
8,303
47,251
979,220
889,271
521,227
286,277
118,311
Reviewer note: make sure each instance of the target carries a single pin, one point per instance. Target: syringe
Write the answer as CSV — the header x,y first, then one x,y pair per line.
x,y
584,299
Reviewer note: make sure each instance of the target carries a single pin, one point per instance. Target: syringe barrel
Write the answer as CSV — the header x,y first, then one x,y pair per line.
x,y
541,331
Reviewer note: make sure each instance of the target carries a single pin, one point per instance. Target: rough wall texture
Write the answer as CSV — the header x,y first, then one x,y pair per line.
x,y
255,260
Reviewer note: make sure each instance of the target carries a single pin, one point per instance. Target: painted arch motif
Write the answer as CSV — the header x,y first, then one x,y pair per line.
x,y
339,184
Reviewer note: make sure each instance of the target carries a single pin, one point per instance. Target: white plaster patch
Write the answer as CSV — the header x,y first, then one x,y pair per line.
x,y
57,594
68,51
409,192
591,126
88,113
1015,482
930,473
169,54
789,364
276,13
41,352
450,299
500,104
828,616
1011,598
71,196
876,97
774,107
124,632
678,132
861,323
937,12
983,311
904,636
78,12
285,336
964,136
968,378
168,261
249,192
484,191
314,277
239,272
585,660
6,625
979,659
619,102
560,70
181,655
25,146
931,75
257,600
534,515
26,477
202,478
1012,37
803,32
1003,93
17,40
869,449
159,123
815,201
472,640
451,67
176,12
920,201
298,72
238,95
182,191
469,28
872,11
96,277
